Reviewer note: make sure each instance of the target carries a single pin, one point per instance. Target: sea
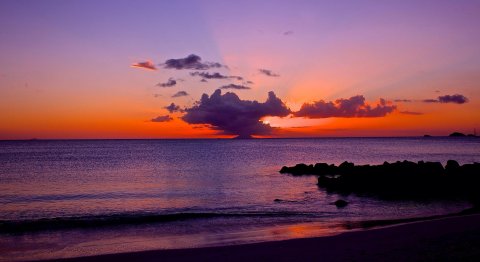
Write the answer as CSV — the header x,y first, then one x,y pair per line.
x,y
69,198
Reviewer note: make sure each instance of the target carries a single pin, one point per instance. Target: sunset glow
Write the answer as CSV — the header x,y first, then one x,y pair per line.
x,y
87,70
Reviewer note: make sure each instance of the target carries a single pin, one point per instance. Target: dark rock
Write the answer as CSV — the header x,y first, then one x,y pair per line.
x,y
340,203
402,179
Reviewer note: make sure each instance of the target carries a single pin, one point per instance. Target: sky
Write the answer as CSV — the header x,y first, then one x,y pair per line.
x,y
221,69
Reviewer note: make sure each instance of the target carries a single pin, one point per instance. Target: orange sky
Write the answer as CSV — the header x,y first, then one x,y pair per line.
x,y
62,76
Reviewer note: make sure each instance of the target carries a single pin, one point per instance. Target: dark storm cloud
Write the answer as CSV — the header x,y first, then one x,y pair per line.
x,y
145,65
172,108
192,62
233,86
180,94
169,83
411,113
206,75
268,72
164,118
456,99
352,107
230,115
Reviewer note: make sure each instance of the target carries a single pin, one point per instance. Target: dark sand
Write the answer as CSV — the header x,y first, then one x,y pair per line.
x,y
447,239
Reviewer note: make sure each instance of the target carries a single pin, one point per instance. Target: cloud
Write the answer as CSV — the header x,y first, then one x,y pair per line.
x,y
180,94
353,107
249,82
164,118
230,115
172,108
402,100
411,113
192,62
207,75
203,80
169,83
145,65
289,32
430,101
268,72
233,86
457,99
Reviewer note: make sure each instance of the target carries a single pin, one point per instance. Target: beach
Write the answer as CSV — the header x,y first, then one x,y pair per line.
x,y
446,239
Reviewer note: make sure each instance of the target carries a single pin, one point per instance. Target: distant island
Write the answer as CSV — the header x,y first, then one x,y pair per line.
x,y
457,134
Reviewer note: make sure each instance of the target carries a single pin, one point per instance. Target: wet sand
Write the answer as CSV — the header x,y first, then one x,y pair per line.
x,y
447,239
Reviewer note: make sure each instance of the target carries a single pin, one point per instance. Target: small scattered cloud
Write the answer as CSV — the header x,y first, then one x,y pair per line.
x,y
180,94
411,113
268,72
144,65
234,86
157,95
204,80
164,118
206,75
353,107
230,115
171,82
172,108
456,99
430,100
191,62
249,82
289,32
402,100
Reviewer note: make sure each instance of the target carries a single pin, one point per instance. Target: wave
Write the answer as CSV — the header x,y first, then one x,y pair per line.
x,y
96,221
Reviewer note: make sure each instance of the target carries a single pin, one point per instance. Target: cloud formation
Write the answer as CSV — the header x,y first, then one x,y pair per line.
x,y
268,72
180,94
457,99
289,32
172,108
230,115
430,101
164,118
234,86
192,62
145,65
207,75
402,100
169,83
353,107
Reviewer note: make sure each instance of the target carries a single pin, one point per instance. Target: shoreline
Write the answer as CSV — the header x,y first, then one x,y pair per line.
x,y
452,236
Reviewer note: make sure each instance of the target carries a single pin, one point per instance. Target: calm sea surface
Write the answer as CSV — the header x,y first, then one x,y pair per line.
x,y
105,196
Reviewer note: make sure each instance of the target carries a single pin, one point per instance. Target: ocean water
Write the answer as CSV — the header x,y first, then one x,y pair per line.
x,y
67,198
